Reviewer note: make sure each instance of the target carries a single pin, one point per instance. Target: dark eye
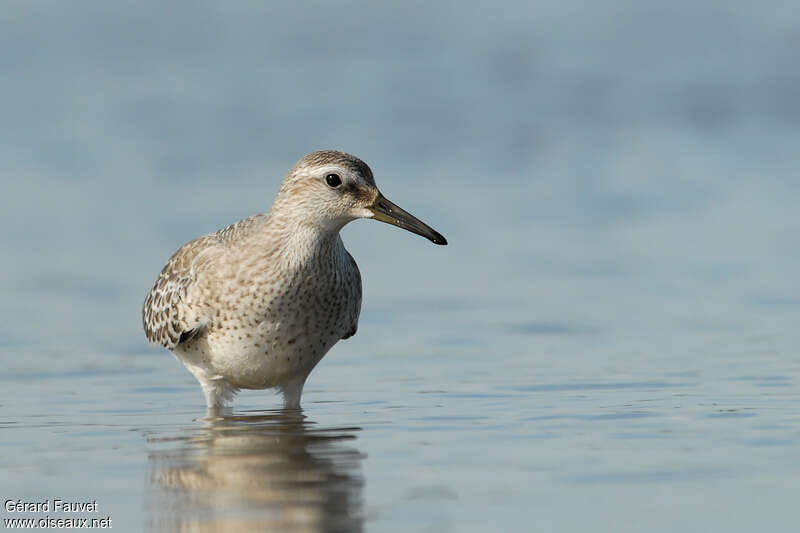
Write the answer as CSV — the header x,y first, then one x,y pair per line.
x,y
333,180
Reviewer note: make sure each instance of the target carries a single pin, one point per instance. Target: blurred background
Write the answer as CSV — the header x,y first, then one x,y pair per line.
x,y
618,182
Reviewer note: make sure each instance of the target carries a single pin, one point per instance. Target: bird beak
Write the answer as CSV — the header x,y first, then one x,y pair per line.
x,y
386,211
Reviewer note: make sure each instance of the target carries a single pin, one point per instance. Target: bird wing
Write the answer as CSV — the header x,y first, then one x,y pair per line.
x,y
355,304
167,315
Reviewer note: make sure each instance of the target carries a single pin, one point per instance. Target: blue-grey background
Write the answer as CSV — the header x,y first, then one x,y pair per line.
x,y
609,341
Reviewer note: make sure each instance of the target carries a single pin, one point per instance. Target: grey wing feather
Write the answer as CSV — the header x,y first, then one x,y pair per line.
x,y
164,314
355,309
168,318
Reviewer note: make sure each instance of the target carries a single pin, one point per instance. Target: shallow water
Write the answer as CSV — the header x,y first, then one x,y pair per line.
x,y
609,342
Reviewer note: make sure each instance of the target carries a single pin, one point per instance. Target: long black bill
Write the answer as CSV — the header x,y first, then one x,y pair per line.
x,y
386,211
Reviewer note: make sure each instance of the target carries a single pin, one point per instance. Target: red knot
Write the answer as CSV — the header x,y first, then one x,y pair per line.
x,y
258,304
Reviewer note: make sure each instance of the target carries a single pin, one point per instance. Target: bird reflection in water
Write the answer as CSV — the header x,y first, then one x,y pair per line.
x,y
264,471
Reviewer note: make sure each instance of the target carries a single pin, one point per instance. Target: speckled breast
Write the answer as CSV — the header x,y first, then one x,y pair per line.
x,y
272,332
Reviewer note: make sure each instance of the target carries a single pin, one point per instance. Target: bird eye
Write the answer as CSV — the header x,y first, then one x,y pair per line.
x,y
333,180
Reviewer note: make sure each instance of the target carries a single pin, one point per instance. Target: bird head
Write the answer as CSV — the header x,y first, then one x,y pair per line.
x,y
331,188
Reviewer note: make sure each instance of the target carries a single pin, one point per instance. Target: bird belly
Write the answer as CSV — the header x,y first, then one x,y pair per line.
x,y
261,357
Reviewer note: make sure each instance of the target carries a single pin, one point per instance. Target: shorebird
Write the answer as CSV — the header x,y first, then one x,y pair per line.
x,y
257,304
